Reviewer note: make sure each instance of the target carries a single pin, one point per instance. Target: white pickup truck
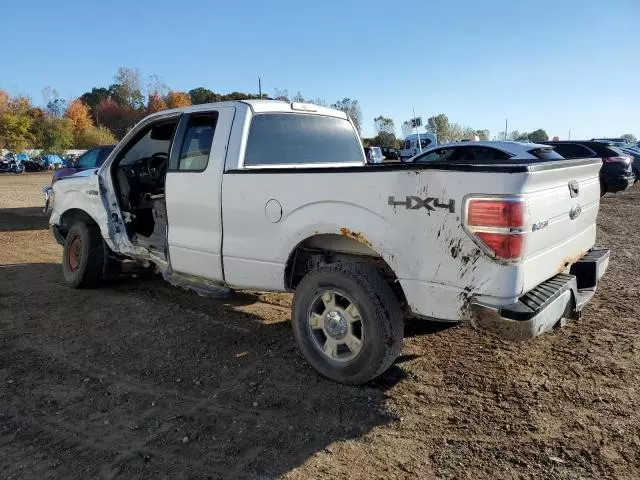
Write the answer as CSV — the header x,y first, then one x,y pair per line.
x,y
269,195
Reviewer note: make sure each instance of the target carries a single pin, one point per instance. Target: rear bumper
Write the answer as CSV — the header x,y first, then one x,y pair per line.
x,y
547,305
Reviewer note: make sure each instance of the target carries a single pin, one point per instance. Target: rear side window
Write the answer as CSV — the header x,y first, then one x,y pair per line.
x,y
603,150
196,146
572,150
480,154
440,155
546,154
298,139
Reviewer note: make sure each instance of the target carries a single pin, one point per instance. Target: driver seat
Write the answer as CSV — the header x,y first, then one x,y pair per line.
x,y
124,190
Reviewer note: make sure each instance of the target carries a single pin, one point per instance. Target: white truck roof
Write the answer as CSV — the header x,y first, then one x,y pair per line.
x,y
259,106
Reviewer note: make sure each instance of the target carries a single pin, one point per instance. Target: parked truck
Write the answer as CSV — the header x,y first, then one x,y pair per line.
x,y
278,196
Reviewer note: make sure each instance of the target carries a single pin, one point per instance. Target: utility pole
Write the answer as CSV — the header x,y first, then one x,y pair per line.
x,y
506,128
569,134
415,121
259,88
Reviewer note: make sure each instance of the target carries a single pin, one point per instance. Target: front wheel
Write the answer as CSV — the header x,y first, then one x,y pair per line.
x,y
347,322
83,257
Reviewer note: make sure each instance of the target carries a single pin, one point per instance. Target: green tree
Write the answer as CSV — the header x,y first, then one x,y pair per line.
x,y
439,125
483,134
15,131
629,137
538,135
203,95
94,136
55,134
384,124
126,88
352,109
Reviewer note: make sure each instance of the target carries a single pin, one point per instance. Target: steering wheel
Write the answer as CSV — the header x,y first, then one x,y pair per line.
x,y
157,165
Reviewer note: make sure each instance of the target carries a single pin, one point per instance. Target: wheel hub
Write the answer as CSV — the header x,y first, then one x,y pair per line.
x,y
335,325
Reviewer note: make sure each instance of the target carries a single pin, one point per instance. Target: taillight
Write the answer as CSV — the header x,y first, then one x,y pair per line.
x,y
498,226
495,213
618,159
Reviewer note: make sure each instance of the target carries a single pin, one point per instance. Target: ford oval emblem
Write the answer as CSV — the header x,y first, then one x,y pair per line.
x,y
575,212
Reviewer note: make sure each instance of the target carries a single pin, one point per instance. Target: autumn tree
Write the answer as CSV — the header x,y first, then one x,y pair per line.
x,y
117,118
156,103
80,116
93,98
177,99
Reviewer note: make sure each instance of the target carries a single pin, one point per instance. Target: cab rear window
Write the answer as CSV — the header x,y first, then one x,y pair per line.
x,y
299,139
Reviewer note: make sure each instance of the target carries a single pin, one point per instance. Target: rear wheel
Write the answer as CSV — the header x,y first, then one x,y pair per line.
x,y
83,256
347,322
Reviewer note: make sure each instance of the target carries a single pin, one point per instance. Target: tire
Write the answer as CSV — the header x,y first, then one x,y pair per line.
x,y
381,324
603,189
83,256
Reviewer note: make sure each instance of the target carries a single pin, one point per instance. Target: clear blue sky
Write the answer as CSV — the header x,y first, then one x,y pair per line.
x,y
542,64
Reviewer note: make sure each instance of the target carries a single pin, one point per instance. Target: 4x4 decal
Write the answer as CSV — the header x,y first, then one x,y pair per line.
x,y
430,203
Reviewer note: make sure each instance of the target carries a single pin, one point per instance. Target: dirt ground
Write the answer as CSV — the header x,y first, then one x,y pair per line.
x,y
138,379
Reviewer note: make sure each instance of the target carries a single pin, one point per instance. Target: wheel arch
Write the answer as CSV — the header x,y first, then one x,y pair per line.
x,y
73,215
347,246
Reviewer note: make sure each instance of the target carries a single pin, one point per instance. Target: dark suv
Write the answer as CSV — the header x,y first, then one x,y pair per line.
x,y
390,153
616,173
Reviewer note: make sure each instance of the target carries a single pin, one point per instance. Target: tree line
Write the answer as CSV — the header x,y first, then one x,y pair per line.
x,y
104,115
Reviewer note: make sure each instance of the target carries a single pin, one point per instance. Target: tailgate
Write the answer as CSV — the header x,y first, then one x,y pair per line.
x,y
562,206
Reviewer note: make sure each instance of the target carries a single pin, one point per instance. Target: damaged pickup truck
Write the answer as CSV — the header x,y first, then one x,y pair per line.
x,y
269,195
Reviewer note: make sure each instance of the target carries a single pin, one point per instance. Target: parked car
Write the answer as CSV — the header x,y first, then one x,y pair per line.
x,y
11,163
410,148
616,174
635,154
487,152
390,153
373,155
277,196
92,158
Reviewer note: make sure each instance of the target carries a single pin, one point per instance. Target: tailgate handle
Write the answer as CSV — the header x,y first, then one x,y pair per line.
x,y
574,188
